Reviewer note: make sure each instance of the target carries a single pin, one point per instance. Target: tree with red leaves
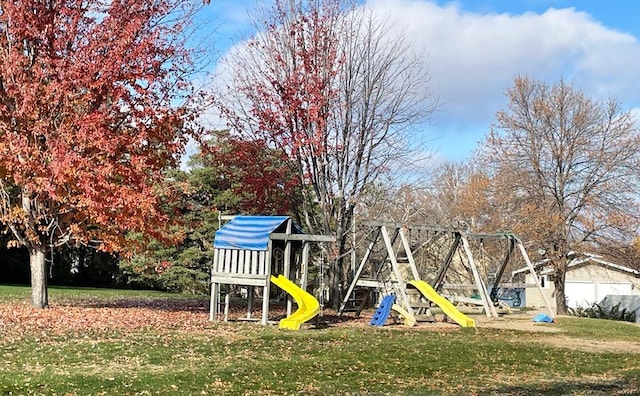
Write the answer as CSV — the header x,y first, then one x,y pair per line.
x,y
336,89
94,106
249,177
228,175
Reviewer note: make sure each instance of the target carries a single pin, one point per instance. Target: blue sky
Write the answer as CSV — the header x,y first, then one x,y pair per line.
x,y
475,49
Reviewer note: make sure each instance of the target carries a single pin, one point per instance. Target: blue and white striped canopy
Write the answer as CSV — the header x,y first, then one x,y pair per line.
x,y
250,232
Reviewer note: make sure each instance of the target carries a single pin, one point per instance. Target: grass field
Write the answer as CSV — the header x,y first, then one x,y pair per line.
x,y
113,342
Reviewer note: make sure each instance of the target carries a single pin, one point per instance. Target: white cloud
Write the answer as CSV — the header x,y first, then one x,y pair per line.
x,y
474,57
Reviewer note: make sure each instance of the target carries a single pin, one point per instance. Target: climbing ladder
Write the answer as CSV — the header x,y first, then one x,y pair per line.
x,y
389,277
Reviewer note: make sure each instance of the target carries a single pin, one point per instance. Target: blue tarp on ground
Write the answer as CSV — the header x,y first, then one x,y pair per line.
x,y
250,232
542,318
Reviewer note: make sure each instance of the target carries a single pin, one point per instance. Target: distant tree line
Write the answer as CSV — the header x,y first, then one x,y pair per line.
x,y
68,266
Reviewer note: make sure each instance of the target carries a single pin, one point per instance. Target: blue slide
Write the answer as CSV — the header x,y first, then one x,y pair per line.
x,y
382,313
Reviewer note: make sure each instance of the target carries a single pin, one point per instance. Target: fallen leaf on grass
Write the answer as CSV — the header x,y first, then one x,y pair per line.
x,y
18,321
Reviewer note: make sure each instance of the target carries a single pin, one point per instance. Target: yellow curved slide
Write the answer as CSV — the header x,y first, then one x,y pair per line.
x,y
409,320
446,306
308,306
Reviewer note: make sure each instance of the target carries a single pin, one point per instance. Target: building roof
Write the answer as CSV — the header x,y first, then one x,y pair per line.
x,y
251,232
543,269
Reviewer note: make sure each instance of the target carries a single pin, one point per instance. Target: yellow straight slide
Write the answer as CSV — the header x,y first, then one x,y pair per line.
x,y
446,306
308,306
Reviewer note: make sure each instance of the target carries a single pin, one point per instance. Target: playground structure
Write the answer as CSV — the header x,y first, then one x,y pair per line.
x,y
255,251
394,272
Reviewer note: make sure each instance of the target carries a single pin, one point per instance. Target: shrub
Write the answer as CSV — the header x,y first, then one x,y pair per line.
x,y
599,312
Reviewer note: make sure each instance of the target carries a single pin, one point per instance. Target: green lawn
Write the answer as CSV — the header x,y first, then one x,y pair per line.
x,y
11,293
177,351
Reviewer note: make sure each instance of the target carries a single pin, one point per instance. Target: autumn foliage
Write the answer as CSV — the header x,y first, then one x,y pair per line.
x,y
569,164
19,321
88,119
335,88
249,177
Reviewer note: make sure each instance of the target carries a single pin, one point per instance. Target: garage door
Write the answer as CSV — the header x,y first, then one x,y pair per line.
x,y
580,294
584,294
618,289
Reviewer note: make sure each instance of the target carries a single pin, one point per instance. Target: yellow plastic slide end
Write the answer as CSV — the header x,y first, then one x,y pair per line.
x,y
449,309
409,320
308,306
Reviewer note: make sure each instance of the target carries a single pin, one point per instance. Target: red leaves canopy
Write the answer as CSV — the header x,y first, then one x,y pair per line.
x,y
252,178
288,77
87,115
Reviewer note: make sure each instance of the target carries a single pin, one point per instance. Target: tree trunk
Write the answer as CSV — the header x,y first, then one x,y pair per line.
x,y
335,291
337,267
558,283
334,285
39,294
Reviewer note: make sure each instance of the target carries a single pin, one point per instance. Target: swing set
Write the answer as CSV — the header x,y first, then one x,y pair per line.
x,y
392,270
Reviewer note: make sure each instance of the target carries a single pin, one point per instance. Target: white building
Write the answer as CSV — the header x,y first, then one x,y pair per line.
x,y
588,280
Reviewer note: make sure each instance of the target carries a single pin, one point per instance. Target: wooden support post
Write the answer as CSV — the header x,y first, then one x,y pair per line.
x,y
287,263
482,290
388,252
227,300
304,270
401,284
249,301
267,284
356,276
213,304
437,282
494,288
525,256
407,249
265,302
214,301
